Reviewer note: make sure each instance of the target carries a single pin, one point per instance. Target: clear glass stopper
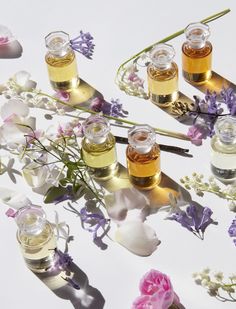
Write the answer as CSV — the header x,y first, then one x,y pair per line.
x,y
142,138
96,129
30,220
162,55
58,43
225,129
197,34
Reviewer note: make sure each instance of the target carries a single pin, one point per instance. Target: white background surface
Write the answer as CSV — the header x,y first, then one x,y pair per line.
x,y
121,28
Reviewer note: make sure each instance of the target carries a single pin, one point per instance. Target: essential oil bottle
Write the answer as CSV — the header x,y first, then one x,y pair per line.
x,y
36,238
61,62
197,54
162,75
143,157
99,149
223,154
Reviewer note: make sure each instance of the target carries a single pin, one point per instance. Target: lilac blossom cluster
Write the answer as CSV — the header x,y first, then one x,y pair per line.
x,y
83,44
232,230
114,108
196,218
207,110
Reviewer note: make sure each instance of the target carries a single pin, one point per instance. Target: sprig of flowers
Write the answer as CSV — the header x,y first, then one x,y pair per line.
x,y
83,44
218,287
232,231
132,84
195,218
199,185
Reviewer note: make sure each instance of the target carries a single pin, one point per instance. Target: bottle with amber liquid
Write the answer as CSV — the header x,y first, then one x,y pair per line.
x,y
197,54
99,149
36,238
223,149
162,75
61,62
143,157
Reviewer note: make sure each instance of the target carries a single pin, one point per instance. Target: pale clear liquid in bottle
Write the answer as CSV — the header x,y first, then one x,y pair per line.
x,y
61,62
223,150
197,54
36,238
99,149
162,75
143,158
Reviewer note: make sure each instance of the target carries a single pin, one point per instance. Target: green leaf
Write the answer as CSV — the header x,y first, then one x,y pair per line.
x,y
54,193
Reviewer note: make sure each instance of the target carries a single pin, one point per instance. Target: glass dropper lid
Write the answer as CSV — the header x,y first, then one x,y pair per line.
x,y
225,129
142,138
162,55
197,34
57,42
96,129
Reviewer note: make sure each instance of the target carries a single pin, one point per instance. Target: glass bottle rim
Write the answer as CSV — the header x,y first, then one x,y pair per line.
x,y
57,42
225,129
96,128
161,55
142,138
197,34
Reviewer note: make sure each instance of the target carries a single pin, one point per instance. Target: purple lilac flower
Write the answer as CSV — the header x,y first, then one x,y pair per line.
x,y
197,133
11,213
83,44
196,218
61,260
114,109
229,99
232,230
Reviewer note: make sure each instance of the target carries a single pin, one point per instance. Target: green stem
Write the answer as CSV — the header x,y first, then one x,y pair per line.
x,y
157,130
174,35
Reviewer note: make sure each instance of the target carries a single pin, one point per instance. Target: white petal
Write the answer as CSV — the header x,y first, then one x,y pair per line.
x,y
12,134
137,237
21,78
30,84
16,107
14,199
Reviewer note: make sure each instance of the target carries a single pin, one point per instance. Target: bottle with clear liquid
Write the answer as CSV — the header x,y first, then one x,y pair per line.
x,y
223,145
143,157
99,149
162,75
61,62
36,238
197,54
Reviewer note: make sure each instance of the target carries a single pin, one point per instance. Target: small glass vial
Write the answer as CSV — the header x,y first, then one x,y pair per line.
x,y
143,157
36,238
98,148
61,62
162,76
197,54
223,144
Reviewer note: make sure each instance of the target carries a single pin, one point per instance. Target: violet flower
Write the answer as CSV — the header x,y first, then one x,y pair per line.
x,y
114,109
197,133
229,99
61,260
83,44
196,218
232,231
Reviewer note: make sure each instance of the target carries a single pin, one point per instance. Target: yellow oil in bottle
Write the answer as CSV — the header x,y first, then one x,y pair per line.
x,y
62,71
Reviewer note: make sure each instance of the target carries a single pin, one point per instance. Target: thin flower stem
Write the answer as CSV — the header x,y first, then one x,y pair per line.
x,y
172,36
157,130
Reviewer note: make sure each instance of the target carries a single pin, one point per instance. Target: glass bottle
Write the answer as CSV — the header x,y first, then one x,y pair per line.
x,y
197,54
223,154
61,62
143,157
162,75
36,238
98,148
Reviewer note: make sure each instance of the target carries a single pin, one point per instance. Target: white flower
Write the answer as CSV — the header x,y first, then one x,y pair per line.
x,y
137,237
23,82
14,199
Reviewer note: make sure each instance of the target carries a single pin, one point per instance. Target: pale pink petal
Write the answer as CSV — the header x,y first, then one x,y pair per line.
x,y
21,78
16,107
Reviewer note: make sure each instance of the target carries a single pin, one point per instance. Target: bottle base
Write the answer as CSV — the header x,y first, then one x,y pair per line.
x,y
197,78
104,173
67,85
164,100
145,183
40,265
226,176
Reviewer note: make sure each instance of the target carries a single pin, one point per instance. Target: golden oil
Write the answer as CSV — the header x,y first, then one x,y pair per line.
x,y
143,158
99,148
197,54
61,62
162,75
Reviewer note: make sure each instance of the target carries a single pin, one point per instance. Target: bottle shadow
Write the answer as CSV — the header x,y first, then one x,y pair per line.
x,y
84,297
11,50
157,197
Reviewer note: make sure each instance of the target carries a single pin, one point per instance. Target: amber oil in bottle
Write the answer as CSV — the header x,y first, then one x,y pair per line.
x,y
61,62
143,157
197,54
36,238
99,149
162,75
